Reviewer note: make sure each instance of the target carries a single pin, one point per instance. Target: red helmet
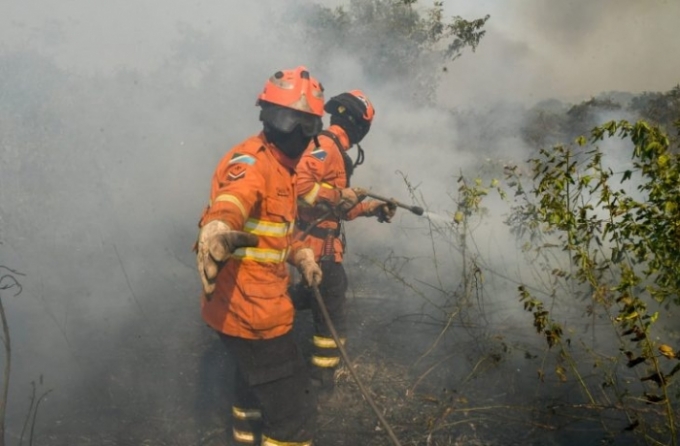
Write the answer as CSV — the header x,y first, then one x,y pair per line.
x,y
291,98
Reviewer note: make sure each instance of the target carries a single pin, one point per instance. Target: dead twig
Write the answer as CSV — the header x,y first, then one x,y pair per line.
x,y
7,281
411,391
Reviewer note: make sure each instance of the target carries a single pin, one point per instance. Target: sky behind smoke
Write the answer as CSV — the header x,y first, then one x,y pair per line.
x,y
570,49
533,49
121,110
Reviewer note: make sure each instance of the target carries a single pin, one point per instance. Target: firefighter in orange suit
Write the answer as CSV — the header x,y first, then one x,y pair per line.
x,y
325,200
244,243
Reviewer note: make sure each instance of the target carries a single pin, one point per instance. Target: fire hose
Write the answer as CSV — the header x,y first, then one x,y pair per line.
x,y
343,353
417,210
414,209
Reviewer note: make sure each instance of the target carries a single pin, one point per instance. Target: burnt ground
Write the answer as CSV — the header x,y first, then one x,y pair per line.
x,y
464,384
463,381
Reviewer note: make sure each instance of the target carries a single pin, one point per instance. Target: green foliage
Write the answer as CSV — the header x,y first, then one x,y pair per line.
x,y
662,109
550,122
623,246
542,323
544,124
584,113
394,41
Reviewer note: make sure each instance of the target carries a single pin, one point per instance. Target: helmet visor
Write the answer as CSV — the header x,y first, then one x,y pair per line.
x,y
286,119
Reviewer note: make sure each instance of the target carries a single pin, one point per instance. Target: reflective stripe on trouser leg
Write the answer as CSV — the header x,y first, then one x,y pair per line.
x,y
275,375
243,437
326,356
246,425
266,441
326,353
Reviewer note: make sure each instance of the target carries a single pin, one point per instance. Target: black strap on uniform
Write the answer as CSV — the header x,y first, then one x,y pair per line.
x,y
349,164
338,232
316,231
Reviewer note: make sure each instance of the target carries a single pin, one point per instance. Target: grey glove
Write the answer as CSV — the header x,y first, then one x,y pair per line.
x,y
305,263
385,211
350,197
216,242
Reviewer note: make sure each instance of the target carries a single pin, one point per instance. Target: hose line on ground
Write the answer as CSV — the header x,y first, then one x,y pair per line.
x,y
343,353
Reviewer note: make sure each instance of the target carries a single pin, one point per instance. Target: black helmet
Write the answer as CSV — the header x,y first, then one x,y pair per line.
x,y
353,112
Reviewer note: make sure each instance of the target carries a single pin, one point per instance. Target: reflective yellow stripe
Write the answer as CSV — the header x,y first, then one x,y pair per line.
x,y
243,436
310,197
261,255
231,199
267,228
246,414
323,361
324,342
266,441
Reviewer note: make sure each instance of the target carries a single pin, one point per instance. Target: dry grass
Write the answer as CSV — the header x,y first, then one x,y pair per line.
x,y
477,386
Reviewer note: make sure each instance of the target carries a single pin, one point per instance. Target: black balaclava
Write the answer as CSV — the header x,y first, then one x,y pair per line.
x,y
355,131
292,144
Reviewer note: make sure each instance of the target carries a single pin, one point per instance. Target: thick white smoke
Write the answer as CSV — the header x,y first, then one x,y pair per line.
x,y
570,50
114,114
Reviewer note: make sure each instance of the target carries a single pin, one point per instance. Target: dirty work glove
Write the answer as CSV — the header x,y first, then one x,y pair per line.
x,y
383,210
216,242
350,197
310,270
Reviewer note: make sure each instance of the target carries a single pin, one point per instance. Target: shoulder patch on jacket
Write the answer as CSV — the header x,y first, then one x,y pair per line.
x,y
242,158
319,153
236,171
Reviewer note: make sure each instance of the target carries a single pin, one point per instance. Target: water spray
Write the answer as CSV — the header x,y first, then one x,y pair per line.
x,y
414,209
437,218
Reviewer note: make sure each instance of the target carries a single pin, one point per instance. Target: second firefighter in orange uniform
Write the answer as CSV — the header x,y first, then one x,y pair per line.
x,y
325,201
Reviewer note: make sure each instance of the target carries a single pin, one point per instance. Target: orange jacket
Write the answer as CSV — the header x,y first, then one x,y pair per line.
x,y
321,174
253,190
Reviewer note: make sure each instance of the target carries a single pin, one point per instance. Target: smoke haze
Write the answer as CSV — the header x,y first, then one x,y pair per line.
x,y
113,116
570,50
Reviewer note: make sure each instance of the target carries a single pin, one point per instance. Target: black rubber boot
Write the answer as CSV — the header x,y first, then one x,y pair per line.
x,y
323,379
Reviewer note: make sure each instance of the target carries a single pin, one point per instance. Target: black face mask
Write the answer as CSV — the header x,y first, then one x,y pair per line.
x,y
355,132
292,144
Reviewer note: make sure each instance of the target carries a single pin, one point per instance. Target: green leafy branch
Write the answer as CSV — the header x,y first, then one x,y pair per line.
x,y
623,247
